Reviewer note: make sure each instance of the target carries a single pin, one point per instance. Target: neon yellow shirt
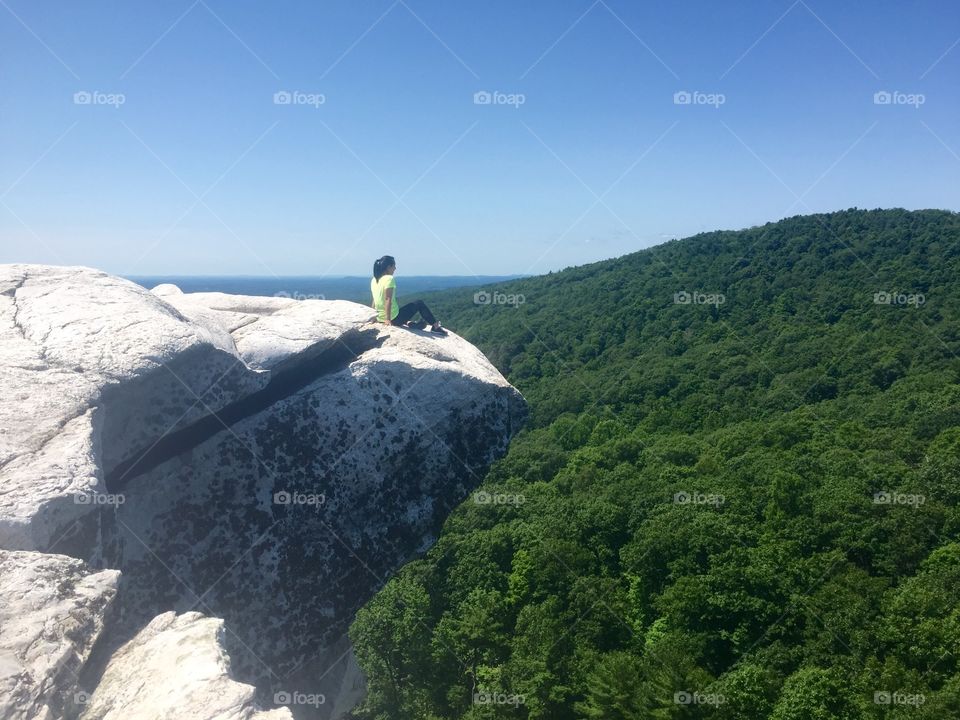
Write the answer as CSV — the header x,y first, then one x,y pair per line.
x,y
377,289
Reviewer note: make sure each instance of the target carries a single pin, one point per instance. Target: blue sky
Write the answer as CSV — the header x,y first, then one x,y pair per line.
x,y
181,160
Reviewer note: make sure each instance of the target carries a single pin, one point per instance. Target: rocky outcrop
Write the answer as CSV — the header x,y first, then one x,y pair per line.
x,y
52,610
265,462
182,660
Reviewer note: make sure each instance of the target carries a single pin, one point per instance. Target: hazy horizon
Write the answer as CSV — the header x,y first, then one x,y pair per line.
x,y
355,288
307,275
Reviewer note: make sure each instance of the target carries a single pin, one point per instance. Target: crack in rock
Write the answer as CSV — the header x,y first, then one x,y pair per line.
x,y
345,350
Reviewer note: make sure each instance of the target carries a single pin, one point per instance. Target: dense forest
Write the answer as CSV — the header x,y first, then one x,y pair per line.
x,y
736,496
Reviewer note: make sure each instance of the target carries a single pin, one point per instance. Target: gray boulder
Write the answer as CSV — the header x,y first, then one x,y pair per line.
x,y
73,343
175,667
53,609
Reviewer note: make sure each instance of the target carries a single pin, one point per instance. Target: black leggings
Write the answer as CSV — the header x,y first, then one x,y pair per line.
x,y
407,312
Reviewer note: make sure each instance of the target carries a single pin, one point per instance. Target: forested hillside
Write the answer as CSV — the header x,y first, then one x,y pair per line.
x,y
736,497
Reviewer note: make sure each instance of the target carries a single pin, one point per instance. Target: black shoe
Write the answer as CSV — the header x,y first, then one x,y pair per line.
x,y
417,324
438,330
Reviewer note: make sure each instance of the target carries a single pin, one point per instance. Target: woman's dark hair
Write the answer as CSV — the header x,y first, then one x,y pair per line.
x,y
381,264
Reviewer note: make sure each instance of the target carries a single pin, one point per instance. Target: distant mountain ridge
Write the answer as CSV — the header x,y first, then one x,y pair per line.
x,y
814,269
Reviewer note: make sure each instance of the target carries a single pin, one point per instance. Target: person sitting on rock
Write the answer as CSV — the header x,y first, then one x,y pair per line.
x,y
383,287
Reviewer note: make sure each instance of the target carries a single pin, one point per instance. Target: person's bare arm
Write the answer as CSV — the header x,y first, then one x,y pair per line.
x,y
387,305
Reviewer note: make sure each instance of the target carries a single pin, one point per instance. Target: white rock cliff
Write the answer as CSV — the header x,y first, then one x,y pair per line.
x,y
255,469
